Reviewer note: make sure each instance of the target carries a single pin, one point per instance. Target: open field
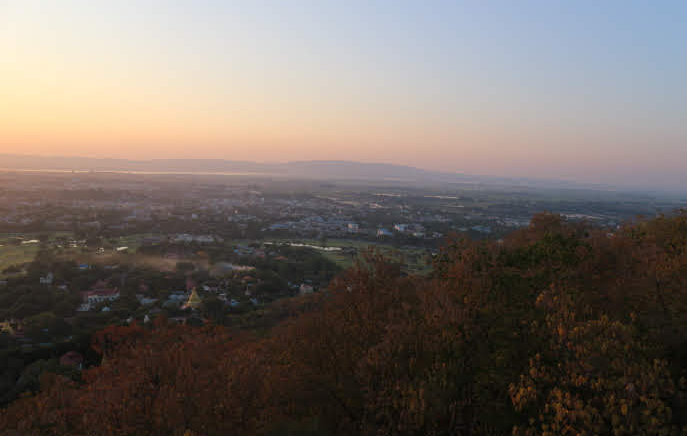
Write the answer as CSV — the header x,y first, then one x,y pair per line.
x,y
18,249
16,255
416,259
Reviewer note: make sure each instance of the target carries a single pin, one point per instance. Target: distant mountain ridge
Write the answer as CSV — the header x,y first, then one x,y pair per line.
x,y
322,169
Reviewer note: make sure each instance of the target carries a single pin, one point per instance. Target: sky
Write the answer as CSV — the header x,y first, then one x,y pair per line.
x,y
592,91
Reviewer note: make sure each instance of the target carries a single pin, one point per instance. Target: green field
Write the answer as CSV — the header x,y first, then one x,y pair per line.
x,y
414,258
15,254
131,241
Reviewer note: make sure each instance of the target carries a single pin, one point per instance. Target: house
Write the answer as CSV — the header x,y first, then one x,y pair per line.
x,y
383,232
84,266
99,295
145,300
3,283
177,296
175,299
47,280
211,287
305,289
401,227
353,227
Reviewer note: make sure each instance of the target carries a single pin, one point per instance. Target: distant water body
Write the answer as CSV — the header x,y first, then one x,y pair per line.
x,y
208,173
199,173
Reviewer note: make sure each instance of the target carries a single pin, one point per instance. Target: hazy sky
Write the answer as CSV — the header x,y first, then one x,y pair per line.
x,y
585,90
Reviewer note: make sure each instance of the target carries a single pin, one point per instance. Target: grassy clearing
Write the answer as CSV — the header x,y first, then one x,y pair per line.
x,y
16,255
131,241
12,254
414,258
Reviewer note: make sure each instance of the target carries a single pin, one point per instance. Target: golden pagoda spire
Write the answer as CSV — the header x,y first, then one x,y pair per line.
x,y
194,301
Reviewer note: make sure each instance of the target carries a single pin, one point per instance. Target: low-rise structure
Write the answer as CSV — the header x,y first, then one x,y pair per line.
x,y
47,280
383,232
401,227
96,296
306,289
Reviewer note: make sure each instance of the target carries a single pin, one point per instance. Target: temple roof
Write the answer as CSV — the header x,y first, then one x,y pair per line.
x,y
194,301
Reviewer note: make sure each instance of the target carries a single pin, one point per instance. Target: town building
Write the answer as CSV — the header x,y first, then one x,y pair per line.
x,y
306,289
383,232
47,280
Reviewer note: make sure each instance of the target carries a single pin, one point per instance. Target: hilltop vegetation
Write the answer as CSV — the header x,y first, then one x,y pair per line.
x,y
559,329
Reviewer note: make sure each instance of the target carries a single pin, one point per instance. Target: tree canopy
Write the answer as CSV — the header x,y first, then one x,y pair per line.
x,y
559,329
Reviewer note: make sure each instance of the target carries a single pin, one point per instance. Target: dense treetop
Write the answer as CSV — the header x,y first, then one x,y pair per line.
x,y
559,329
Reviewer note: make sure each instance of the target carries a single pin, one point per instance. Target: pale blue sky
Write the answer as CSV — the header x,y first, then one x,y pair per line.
x,y
584,90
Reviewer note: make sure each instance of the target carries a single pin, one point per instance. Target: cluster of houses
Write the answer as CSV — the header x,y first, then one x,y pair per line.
x,y
200,239
339,226
415,229
47,279
99,293
332,225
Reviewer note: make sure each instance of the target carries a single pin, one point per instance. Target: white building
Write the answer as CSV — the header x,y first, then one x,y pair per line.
x,y
47,280
306,289
92,298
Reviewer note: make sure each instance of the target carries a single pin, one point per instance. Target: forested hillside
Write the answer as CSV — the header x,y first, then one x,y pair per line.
x,y
559,329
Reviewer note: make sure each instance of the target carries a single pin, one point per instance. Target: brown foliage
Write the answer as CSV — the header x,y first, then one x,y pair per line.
x,y
560,329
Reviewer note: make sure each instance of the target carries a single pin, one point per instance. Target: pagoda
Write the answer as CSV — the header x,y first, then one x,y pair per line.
x,y
194,301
